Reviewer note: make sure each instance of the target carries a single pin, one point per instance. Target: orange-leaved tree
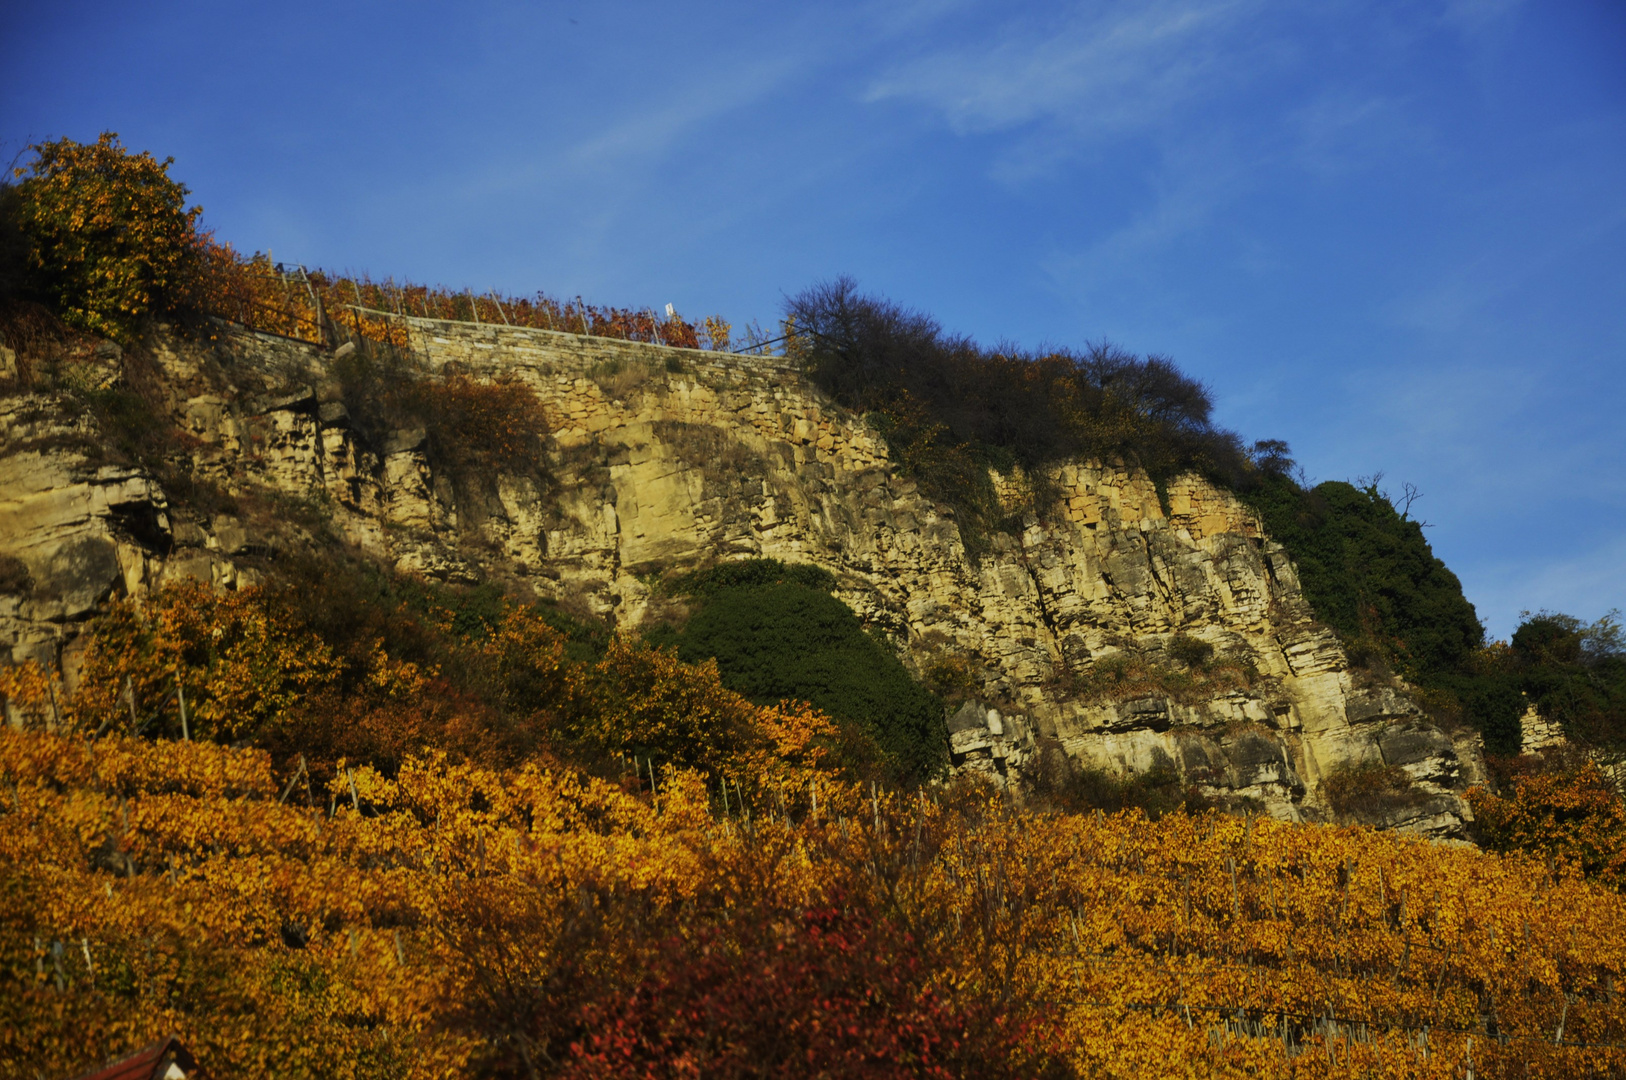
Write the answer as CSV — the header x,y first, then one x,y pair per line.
x,y
110,237
1575,817
644,701
242,669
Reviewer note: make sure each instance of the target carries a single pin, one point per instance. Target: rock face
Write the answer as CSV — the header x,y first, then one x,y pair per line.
x,y
1127,631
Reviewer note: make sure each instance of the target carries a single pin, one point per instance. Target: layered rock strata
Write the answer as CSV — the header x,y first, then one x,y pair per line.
x,y
662,459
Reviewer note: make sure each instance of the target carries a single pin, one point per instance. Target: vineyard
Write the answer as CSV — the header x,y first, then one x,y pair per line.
x,y
542,921
318,307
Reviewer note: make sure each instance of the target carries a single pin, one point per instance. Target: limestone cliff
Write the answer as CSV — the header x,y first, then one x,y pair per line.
x,y
661,459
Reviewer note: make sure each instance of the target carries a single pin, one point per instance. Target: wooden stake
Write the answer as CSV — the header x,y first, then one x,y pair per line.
x,y
292,780
180,695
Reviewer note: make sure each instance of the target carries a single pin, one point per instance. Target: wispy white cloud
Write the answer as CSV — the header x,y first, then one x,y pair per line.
x,y
1174,74
652,129
1095,68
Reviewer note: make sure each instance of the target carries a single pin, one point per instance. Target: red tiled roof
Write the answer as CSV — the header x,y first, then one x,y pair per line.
x,y
150,1063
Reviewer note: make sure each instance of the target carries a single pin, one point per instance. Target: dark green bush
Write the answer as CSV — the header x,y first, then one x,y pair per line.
x,y
1575,673
753,573
1369,573
1192,652
777,633
1489,700
13,245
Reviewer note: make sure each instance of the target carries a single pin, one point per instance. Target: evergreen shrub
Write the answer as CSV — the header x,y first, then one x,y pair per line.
x,y
777,633
1575,673
1368,572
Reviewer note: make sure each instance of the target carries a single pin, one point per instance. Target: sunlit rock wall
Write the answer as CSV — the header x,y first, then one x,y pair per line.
x,y
662,459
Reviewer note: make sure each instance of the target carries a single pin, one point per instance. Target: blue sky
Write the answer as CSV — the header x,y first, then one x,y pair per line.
x,y
1393,234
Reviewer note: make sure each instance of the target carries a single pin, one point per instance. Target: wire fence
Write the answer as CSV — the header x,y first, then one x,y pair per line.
x,y
323,309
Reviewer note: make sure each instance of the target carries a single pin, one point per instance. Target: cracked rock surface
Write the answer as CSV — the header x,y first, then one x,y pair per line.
x,y
662,459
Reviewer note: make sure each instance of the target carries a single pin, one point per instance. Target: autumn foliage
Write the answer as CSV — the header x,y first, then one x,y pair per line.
x,y
616,867
1574,816
471,854
109,237
452,919
800,996
107,241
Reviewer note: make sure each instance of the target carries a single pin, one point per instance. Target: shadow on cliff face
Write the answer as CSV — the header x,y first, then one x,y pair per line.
x,y
471,432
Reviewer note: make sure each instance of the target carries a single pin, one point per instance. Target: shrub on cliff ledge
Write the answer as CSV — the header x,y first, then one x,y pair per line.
x,y
109,237
472,429
1370,794
1575,673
